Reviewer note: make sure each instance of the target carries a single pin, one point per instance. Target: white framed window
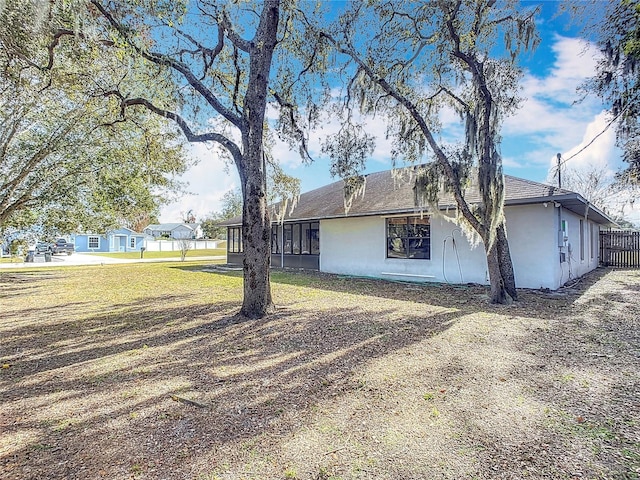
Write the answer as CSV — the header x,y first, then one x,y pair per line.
x,y
132,242
94,241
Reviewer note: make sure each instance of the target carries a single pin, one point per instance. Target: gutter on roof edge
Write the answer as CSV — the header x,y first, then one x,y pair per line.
x,y
508,203
565,198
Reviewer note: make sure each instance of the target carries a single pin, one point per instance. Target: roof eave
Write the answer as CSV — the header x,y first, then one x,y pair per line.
x,y
565,200
570,202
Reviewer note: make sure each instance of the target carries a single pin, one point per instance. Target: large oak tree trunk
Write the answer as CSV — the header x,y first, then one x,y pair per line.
x,y
499,264
498,290
506,264
256,227
256,235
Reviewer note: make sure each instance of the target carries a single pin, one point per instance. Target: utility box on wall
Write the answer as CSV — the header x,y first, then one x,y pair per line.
x,y
563,233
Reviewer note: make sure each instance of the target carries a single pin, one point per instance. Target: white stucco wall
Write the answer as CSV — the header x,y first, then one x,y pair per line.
x,y
533,238
533,233
357,246
576,265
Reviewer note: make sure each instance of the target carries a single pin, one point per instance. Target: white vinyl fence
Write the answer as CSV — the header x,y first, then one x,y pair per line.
x,y
175,245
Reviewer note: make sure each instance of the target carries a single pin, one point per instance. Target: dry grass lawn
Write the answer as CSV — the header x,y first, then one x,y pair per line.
x,y
143,371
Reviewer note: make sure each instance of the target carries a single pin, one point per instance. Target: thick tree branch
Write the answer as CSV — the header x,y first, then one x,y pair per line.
x,y
476,68
449,93
7,209
236,83
57,36
208,54
424,127
298,131
54,43
231,147
165,60
236,39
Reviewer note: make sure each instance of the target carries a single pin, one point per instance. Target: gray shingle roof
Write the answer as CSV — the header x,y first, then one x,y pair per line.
x,y
388,194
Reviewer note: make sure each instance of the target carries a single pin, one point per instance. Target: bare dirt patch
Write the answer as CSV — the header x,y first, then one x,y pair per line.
x,y
144,371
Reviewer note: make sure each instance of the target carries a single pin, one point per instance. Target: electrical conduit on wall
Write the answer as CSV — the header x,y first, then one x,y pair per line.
x,y
455,250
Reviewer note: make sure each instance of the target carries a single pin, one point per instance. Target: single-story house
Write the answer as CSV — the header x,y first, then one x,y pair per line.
x,y
119,240
553,234
174,230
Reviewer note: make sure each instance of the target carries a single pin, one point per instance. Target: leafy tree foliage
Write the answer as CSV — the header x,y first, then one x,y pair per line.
x,y
210,227
139,222
617,79
411,60
231,207
210,64
231,204
67,160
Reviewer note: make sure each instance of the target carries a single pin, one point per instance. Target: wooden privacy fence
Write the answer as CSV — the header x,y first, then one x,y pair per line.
x,y
619,248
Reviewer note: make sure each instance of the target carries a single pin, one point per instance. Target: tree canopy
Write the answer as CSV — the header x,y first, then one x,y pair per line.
x,y
213,68
231,207
68,161
617,80
412,61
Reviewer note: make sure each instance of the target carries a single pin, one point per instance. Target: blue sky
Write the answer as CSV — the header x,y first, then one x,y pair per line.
x,y
548,122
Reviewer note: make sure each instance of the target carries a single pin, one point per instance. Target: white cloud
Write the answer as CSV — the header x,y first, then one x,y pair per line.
x,y
553,116
597,154
597,147
550,101
209,180
575,60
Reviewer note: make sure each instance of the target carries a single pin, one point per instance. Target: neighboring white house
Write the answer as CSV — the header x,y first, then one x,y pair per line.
x,y
553,234
174,230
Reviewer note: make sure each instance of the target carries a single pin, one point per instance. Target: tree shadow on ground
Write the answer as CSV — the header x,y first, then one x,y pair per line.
x,y
584,369
23,283
465,297
156,389
129,376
